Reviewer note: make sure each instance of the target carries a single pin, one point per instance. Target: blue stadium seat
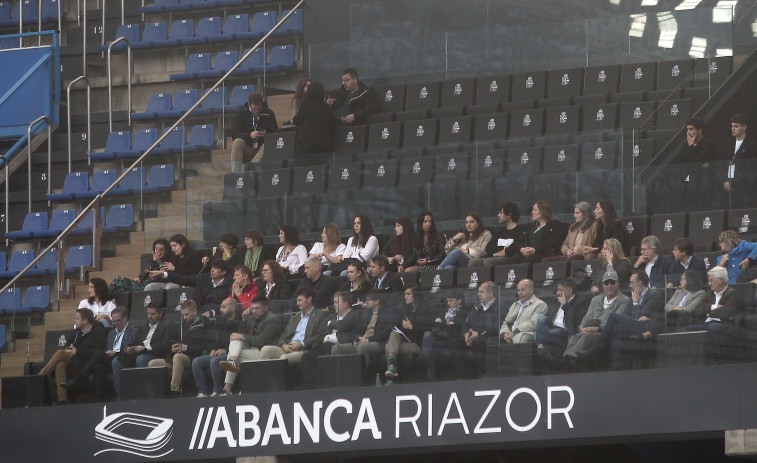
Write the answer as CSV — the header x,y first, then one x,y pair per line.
x,y
3,261
282,58
19,260
214,103
60,219
118,142
130,31
239,96
159,6
6,17
293,25
181,30
33,222
161,178
237,27
30,11
50,10
224,61
157,103
10,300
85,224
75,182
101,180
77,257
255,63
143,139
36,299
201,138
184,100
133,182
154,35
208,27
120,218
262,23
175,142
47,265
196,63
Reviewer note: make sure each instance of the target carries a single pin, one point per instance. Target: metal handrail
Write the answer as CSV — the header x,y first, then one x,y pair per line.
x,y
6,161
84,41
89,124
110,82
29,156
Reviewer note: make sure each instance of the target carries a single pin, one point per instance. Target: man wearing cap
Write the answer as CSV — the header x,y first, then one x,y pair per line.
x,y
600,308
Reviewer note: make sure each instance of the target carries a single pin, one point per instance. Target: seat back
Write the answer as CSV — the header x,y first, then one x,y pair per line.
x,y
102,179
182,29
208,27
129,31
20,259
158,102
216,100
241,93
225,60
162,176
263,22
76,182
145,138
202,136
118,141
10,300
35,221
176,138
48,263
120,215
62,218
293,24
154,32
198,62
185,99
37,297
79,256
134,180
237,24
282,57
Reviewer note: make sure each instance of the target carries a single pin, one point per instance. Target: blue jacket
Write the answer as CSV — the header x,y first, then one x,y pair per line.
x,y
736,255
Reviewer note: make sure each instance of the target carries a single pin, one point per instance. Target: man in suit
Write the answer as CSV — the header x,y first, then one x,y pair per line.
x,y
153,341
339,328
559,323
383,279
653,262
738,184
520,322
323,286
684,259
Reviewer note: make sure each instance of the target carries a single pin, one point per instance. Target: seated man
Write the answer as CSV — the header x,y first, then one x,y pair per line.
x,y
353,102
300,334
262,329
192,341
251,124
323,286
227,322
656,265
210,289
520,322
596,317
506,240
407,337
339,328
555,327
153,341
684,259
382,278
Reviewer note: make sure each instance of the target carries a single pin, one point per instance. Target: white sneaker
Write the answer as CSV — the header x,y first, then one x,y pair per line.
x,y
201,395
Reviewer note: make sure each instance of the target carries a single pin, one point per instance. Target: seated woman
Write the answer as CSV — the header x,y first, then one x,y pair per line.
x,y
362,245
681,305
273,282
291,255
161,252
187,262
577,244
544,237
608,225
613,258
299,94
256,252
357,283
329,250
99,301
315,126
738,258
468,243
88,337
226,251
399,251
428,244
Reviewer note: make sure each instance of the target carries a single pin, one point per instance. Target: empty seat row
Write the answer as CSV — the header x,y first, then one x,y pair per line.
x,y
36,299
199,65
10,13
76,184
120,218
209,30
120,145
77,257
167,6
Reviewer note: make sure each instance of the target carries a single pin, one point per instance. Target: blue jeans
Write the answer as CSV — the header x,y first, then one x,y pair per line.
x,y
203,365
549,335
455,259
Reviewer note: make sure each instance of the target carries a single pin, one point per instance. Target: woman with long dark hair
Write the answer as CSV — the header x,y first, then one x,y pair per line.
x,y
291,255
467,244
99,301
681,305
428,244
273,281
187,262
315,126
399,250
161,252
299,94
362,245
608,226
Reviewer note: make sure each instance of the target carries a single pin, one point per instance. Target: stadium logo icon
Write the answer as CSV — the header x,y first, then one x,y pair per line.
x,y
142,435
458,89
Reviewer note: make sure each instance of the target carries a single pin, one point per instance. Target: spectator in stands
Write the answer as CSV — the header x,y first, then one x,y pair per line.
x,y
161,252
291,255
299,94
612,258
598,313
656,265
153,341
353,102
99,301
220,330
608,226
338,328
330,248
300,334
357,283
273,283
470,243
428,244
362,245
118,339
373,331
684,259
561,322
194,338
506,241
251,124
315,127
261,330
323,287
256,251
243,289
543,239
739,185
681,305
446,326
88,337
738,257
697,153
187,262
519,325
210,289
227,251
382,278
483,323
407,338
578,243
399,250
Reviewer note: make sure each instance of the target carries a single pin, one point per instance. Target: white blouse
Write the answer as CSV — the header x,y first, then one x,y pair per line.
x,y
363,254
294,260
318,248
98,309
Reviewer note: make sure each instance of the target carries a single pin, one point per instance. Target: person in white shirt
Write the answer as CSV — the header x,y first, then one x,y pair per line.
x,y
362,245
291,255
330,248
99,301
